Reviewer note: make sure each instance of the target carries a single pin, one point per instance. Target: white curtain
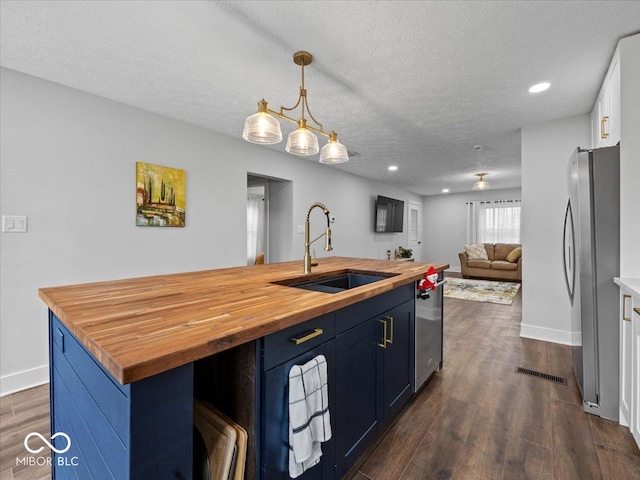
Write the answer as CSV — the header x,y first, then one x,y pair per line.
x,y
255,227
472,222
494,222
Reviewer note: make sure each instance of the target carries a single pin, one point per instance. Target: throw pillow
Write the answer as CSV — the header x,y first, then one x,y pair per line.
x,y
476,251
514,255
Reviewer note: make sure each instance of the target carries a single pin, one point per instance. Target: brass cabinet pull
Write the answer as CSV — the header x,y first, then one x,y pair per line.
x,y
384,334
603,134
316,333
624,307
390,339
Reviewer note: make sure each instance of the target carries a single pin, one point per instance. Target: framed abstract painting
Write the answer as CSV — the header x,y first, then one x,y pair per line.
x,y
160,196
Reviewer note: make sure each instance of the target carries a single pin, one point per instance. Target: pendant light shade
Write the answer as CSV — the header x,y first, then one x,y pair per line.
x,y
264,128
481,184
261,127
302,141
334,152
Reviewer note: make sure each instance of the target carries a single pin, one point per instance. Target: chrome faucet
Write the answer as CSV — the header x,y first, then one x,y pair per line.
x,y
307,230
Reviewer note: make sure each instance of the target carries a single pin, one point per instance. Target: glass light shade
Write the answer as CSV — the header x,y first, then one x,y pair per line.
x,y
334,152
262,128
481,185
302,142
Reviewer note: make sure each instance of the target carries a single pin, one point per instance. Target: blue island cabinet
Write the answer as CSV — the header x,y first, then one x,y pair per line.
x,y
369,347
144,430
139,431
375,371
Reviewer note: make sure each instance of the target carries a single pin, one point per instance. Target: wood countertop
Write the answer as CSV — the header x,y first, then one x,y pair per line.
x,y
140,327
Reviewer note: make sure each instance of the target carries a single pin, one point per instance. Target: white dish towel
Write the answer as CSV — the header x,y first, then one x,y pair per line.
x,y
309,422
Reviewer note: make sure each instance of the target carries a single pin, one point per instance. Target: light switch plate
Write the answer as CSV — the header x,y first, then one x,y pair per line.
x,y
300,228
14,224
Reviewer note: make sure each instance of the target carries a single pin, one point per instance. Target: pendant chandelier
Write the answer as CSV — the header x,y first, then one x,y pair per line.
x,y
481,184
263,128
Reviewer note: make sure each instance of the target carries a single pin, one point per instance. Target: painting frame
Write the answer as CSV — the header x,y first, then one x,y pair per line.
x,y
160,196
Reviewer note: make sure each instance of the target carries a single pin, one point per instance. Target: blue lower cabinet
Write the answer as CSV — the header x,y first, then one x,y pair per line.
x,y
398,359
275,419
138,431
359,393
375,363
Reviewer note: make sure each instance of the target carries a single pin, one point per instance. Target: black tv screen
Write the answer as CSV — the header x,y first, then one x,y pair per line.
x,y
389,215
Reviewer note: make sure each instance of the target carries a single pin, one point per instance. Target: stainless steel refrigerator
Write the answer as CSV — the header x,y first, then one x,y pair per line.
x,y
591,260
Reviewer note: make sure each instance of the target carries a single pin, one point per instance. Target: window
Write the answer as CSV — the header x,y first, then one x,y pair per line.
x,y
494,222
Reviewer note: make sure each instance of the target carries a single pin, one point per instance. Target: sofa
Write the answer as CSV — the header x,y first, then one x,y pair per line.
x,y
497,266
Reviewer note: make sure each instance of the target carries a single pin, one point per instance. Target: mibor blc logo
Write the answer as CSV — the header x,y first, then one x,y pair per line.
x,y
61,461
47,443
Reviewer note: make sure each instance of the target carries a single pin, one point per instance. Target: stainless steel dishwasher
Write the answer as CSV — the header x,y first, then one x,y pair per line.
x,y
428,332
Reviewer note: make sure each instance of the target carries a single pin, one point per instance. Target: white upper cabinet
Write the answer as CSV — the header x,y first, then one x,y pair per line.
x,y
605,116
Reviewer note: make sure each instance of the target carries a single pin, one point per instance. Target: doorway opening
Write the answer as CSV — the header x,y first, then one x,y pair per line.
x,y
269,219
415,230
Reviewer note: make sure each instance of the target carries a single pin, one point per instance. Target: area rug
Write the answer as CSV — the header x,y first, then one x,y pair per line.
x,y
481,290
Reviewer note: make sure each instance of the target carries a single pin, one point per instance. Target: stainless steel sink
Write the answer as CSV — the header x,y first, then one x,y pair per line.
x,y
335,283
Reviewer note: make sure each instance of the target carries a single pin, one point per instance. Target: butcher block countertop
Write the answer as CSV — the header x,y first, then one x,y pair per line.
x,y
140,327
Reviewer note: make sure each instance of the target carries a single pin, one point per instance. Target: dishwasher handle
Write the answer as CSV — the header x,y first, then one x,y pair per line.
x,y
424,294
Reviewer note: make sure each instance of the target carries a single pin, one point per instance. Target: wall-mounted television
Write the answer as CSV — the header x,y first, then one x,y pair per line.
x,y
389,215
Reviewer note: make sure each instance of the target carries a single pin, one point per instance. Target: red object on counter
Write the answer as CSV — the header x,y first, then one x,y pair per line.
x,y
429,281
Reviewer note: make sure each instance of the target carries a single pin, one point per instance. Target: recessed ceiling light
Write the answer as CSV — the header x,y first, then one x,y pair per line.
x,y
445,190
539,87
393,168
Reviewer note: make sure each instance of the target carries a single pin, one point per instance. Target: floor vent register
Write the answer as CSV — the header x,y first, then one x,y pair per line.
x,y
544,376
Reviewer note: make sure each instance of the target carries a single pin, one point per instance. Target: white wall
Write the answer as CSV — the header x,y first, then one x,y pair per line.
x,y
444,220
68,163
630,157
546,148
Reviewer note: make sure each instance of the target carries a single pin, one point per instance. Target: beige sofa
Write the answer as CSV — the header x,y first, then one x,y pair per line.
x,y
497,267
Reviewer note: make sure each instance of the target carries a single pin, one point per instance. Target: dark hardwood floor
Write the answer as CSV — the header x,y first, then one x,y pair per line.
x,y
476,419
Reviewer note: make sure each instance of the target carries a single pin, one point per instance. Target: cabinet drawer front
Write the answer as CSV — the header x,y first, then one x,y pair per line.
x,y
293,341
360,312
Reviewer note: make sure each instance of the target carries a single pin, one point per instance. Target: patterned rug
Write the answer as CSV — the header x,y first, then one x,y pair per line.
x,y
481,290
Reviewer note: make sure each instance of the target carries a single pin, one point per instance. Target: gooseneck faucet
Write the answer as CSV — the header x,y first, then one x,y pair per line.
x,y
307,231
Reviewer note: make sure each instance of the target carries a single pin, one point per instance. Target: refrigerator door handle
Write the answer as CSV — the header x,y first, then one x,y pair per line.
x,y
569,251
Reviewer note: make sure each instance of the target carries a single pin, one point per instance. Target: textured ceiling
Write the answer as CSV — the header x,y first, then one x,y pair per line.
x,y
415,84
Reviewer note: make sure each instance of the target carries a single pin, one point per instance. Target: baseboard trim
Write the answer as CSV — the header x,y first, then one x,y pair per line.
x,y
549,335
453,269
623,419
17,382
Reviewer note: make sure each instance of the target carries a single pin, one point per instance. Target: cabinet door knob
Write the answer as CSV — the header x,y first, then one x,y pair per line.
x,y
603,134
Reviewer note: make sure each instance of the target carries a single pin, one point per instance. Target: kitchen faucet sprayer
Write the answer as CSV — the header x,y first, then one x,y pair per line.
x,y
307,231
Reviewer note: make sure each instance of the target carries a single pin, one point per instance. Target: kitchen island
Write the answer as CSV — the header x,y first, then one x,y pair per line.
x,y
123,354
